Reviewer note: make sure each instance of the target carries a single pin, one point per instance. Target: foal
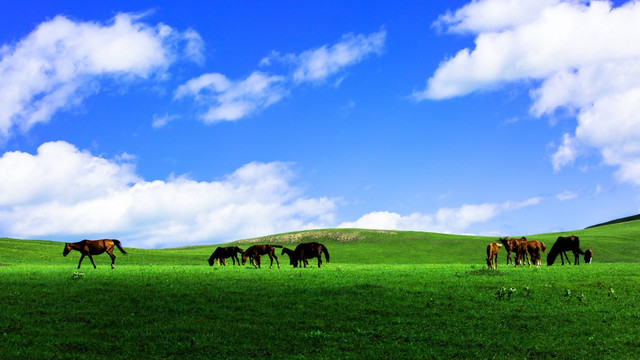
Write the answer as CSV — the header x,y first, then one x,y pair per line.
x,y
588,255
492,255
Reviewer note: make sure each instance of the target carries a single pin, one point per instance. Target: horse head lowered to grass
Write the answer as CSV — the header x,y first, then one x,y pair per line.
x,y
305,251
221,254
561,246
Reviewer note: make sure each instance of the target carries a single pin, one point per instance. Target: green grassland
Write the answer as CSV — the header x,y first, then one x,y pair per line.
x,y
383,295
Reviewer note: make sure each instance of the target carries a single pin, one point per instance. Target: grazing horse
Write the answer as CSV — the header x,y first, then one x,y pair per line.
x,y
588,255
221,254
254,252
511,245
492,255
306,251
522,249
94,247
563,244
533,248
292,256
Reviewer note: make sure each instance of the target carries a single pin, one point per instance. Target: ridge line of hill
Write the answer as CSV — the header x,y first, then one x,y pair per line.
x,y
616,221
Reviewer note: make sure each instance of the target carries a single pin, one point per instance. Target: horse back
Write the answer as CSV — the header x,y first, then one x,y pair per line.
x,y
97,247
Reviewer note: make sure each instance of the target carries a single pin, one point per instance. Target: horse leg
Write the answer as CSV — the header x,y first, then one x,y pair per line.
x,y
576,260
319,260
277,262
91,258
113,259
80,262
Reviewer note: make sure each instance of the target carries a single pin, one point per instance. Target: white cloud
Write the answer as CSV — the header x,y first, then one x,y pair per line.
x,y
160,121
567,152
318,64
566,195
229,100
584,55
446,220
60,63
492,15
62,192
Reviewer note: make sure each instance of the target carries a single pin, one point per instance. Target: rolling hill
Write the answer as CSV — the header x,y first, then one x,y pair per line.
x,y
612,242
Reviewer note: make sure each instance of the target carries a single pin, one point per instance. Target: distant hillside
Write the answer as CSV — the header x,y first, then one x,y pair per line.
x,y
617,221
616,242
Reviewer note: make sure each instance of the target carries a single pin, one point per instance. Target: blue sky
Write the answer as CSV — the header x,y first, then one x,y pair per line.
x,y
169,124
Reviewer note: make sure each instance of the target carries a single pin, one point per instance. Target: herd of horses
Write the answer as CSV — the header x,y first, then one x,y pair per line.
x,y
530,250
297,256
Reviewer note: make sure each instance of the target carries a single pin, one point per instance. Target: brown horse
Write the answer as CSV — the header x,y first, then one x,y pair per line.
x,y
511,245
522,249
94,247
533,247
492,255
254,252
221,254
561,246
306,251
588,255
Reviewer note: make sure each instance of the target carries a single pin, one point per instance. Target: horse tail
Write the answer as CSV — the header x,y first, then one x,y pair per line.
x,y
117,243
325,251
499,245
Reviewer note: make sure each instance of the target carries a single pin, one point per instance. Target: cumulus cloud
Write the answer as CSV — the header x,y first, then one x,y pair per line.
x,y
446,220
62,61
230,100
62,192
583,54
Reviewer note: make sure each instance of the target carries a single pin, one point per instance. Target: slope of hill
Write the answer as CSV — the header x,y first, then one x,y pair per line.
x,y
617,221
615,242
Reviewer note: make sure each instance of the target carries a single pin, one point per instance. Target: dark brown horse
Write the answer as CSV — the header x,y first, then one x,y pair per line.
x,y
93,247
292,256
492,255
254,252
306,251
511,245
221,254
561,246
588,255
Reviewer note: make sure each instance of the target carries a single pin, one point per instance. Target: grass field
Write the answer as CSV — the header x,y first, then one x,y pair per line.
x,y
383,295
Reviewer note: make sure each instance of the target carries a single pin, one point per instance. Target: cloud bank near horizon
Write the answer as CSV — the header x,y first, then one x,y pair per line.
x,y
63,192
